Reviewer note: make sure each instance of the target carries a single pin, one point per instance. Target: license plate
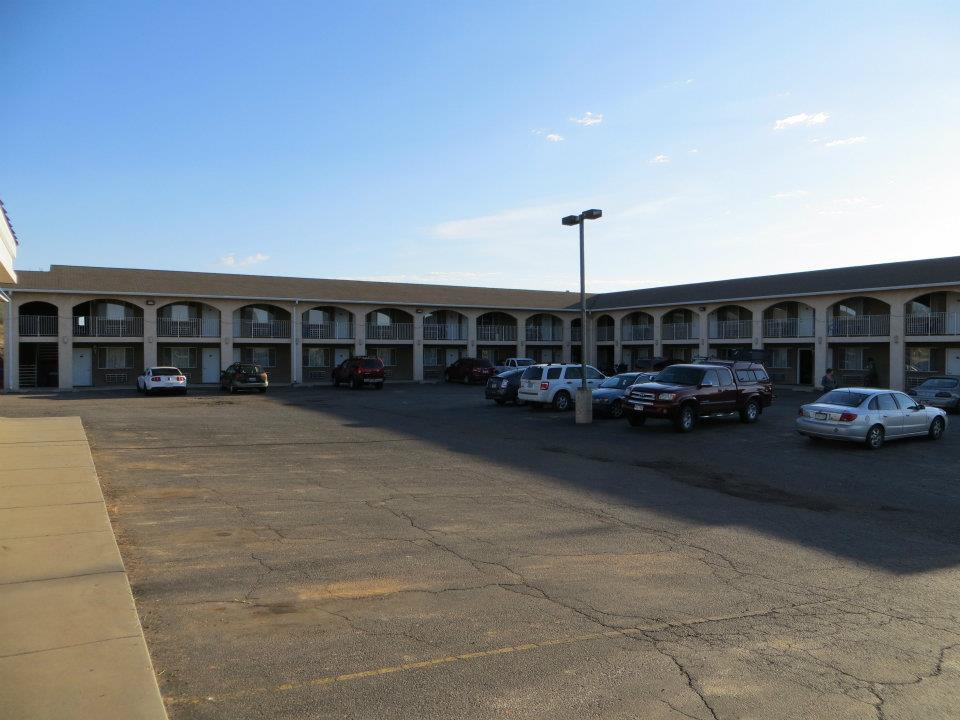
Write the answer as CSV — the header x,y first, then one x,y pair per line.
x,y
253,379
638,406
372,380
821,416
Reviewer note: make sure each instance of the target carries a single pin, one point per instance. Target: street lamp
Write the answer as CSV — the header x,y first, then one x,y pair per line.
x,y
584,401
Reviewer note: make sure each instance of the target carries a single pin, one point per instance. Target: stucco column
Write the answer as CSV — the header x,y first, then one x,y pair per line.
x,y
11,365
226,335
702,326
567,339
296,346
821,346
617,339
360,330
657,333
472,334
897,347
149,337
65,345
418,347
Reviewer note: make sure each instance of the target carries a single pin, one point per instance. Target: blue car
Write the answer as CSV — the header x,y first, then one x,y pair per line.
x,y
608,398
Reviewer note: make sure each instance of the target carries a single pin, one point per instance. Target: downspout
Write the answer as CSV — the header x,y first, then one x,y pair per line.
x,y
8,341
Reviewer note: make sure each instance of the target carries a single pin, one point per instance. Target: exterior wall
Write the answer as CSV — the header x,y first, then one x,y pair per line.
x,y
8,250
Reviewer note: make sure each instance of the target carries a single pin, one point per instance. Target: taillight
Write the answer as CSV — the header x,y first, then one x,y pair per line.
x,y
544,386
263,376
181,378
155,379
359,371
848,417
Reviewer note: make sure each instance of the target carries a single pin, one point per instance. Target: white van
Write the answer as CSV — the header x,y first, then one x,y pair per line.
x,y
555,384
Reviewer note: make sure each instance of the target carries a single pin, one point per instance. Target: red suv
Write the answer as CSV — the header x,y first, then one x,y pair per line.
x,y
469,370
359,371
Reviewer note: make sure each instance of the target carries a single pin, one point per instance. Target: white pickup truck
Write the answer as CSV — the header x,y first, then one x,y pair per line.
x,y
514,363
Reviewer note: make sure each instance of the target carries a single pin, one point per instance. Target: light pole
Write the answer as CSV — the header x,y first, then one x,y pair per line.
x,y
584,401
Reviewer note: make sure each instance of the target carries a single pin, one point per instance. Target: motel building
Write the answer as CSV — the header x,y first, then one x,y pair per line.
x,y
87,327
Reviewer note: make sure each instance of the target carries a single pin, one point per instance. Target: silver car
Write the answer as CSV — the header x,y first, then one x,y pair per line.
x,y
869,415
942,391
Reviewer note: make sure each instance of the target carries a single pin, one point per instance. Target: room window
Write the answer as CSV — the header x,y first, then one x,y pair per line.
x,y
317,357
431,357
115,358
388,355
179,357
779,358
851,359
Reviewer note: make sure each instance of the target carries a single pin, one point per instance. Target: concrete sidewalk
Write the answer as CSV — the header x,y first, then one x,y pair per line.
x,y
71,645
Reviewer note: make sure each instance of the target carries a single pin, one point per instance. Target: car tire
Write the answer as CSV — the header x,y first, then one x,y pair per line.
x,y
616,410
561,401
686,419
356,383
636,419
751,413
466,380
875,437
936,429
232,388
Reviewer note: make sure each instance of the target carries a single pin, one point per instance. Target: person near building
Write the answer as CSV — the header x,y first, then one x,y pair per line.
x,y
829,382
873,378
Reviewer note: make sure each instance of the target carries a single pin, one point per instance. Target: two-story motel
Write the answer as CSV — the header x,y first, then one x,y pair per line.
x,y
76,327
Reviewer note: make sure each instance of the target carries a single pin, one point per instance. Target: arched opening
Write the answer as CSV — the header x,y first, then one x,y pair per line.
x,y
788,320
859,317
730,322
679,324
637,327
496,327
444,325
936,313
107,318
605,328
188,319
544,327
389,324
261,321
327,322
37,319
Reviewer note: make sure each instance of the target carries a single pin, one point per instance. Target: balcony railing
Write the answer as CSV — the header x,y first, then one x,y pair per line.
x,y
436,331
932,324
680,331
496,333
328,331
269,329
393,331
544,333
730,329
788,328
859,326
576,334
604,333
92,326
191,328
637,332
38,325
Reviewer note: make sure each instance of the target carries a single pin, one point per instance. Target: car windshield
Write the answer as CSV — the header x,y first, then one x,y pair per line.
x,y
166,371
532,373
506,374
619,381
844,398
249,368
939,384
372,363
680,375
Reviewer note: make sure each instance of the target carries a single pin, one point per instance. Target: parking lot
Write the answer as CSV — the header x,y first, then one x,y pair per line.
x,y
423,553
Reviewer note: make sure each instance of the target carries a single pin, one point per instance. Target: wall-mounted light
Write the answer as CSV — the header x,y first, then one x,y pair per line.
x,y
419,310
151,302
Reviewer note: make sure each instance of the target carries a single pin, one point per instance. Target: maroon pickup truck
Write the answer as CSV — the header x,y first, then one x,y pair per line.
x,y
685,393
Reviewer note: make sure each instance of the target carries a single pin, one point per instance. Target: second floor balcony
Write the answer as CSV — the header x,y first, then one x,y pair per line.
x,y
605,333
859,326
190,328
437,331
788,327
392,331
731,329
328,331
681,331
544,333
38,325
637,332
937,323
496,333
93,326
261,329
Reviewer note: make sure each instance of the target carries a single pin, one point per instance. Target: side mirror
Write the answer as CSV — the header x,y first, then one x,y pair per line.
x,y
918,406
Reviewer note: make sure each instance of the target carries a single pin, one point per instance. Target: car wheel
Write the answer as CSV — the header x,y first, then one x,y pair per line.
x,y
561,401
875,437
356,383
751,413
636,419
466,380
686,420
616,409
232,388
936,429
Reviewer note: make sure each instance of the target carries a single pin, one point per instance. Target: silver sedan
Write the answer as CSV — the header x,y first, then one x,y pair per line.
x,y
871,416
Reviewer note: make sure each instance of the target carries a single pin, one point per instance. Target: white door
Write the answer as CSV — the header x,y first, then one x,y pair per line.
x,y
953,360
211,365
339,355
82,367
453,354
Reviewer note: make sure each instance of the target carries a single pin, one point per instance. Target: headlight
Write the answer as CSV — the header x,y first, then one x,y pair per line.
x,y
504,383
603,400
666,396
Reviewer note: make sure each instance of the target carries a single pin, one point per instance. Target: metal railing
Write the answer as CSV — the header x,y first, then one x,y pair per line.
x,y
730,329
328,331
269,329
788,328
496,333
38,325
192,327
393,331
859,326
437,331
680,331
637,332
576,334
92,326
932,324
544,333
604,333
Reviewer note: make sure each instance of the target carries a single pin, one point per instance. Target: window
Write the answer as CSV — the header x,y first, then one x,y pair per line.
x,y
431,357
919,359
179,357
904,401
726,377
851,359
761,375
886,402
844,398
746,376
316,357
710,378
553,373
779,358
115,358
263,356
388,355
593,373
532,373
573,373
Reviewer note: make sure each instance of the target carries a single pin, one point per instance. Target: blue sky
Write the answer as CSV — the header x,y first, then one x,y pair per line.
x,y
442,142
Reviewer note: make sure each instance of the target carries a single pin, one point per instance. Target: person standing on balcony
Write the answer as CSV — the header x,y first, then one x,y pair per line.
x,y
873,378
828,381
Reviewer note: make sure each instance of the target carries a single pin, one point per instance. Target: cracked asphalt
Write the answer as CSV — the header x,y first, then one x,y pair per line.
x,y
421,553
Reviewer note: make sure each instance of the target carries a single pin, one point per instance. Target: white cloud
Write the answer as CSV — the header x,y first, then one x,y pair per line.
x,y
847,141
505,226
789,194
802,119
659,159
693,151
554,137
231,260
588,119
